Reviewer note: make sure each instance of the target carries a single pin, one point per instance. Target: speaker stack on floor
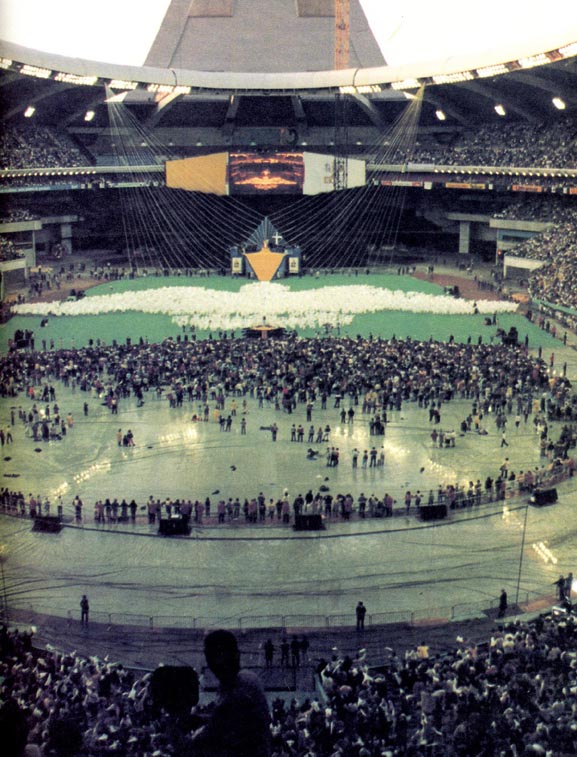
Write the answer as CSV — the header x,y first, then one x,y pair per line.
x,y
433,512
310,522
48,524
173,526
542,497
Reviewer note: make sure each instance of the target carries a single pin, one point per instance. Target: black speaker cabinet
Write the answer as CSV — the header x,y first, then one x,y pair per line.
x,y
49,524
173,527
308,522
433,512
542,497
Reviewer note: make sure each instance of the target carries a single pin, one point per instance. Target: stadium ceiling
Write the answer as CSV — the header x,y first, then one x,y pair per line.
x,y
524,82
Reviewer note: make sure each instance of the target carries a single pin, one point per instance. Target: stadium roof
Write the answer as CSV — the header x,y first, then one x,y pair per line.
x,y
291,35
190,80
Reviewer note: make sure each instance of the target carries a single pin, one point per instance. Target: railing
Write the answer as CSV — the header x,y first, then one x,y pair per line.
x,y
552,478
460,611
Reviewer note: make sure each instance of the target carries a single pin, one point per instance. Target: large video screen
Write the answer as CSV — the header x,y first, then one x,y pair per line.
x,y
255,173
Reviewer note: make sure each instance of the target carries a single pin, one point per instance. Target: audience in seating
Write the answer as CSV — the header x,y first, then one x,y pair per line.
x,y
38,147
8,250
515,693
555,282
549,144
14,215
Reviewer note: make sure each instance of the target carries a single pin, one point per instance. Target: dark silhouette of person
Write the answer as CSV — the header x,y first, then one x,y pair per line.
x,y
84,610
560,584
239,725
502,603
361,611
268,653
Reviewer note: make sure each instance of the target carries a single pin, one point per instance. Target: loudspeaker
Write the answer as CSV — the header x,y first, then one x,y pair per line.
x,y
310,522
49,524
175,688
433,512
544,497
173,527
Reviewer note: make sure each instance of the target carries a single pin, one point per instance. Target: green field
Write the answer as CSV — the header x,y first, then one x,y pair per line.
x,y
68,331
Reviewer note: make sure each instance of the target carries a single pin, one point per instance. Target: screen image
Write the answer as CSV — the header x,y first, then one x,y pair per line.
x,y
254,173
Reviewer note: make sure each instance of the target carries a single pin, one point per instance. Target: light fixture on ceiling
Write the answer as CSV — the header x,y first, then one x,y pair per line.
x,y
30,111
559,103
440,115
500,110
89,115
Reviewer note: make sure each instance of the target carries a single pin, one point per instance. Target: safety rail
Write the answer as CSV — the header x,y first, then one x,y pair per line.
x,y
287,623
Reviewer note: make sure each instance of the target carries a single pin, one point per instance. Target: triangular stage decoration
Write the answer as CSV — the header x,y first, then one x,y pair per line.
x,y
265,263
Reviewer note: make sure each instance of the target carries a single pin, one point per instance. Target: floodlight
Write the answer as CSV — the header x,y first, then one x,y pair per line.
x,y
440,115
29,112
500,110
559,103
89,115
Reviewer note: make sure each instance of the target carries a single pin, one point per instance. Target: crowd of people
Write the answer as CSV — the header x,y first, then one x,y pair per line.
x,y
548,144
8,250
291,370
555,281
16,215
514,693
359,379
34,146
548,209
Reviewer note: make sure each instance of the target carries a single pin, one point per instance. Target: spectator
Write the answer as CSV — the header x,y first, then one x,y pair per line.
x,y
360,612
502,603
84,609
239,724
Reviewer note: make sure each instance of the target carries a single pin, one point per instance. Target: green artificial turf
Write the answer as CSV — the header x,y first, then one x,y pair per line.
x,y
68,331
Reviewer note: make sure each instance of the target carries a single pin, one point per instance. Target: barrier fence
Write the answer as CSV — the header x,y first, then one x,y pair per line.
x,y
34,615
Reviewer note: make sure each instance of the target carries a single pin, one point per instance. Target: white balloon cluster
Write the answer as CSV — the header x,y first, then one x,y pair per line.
x,y
268,302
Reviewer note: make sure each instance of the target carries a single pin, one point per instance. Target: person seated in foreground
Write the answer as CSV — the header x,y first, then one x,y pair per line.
x,y
239,725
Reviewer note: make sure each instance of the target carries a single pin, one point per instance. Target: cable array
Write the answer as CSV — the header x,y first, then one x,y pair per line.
x,y
347,228
166,227
175,228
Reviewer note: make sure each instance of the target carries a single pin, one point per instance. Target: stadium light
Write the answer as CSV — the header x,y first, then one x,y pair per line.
x,y
406,84
29,112
559,103
123,84
569,50
453,78
86,81
500,110
440,115
533,60
89,115
36,71
499,68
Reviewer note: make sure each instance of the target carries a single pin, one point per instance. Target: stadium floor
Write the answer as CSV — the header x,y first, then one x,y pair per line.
x,y
263,573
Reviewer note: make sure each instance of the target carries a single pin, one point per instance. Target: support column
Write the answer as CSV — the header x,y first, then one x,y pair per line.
x,y
464,237
66,236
